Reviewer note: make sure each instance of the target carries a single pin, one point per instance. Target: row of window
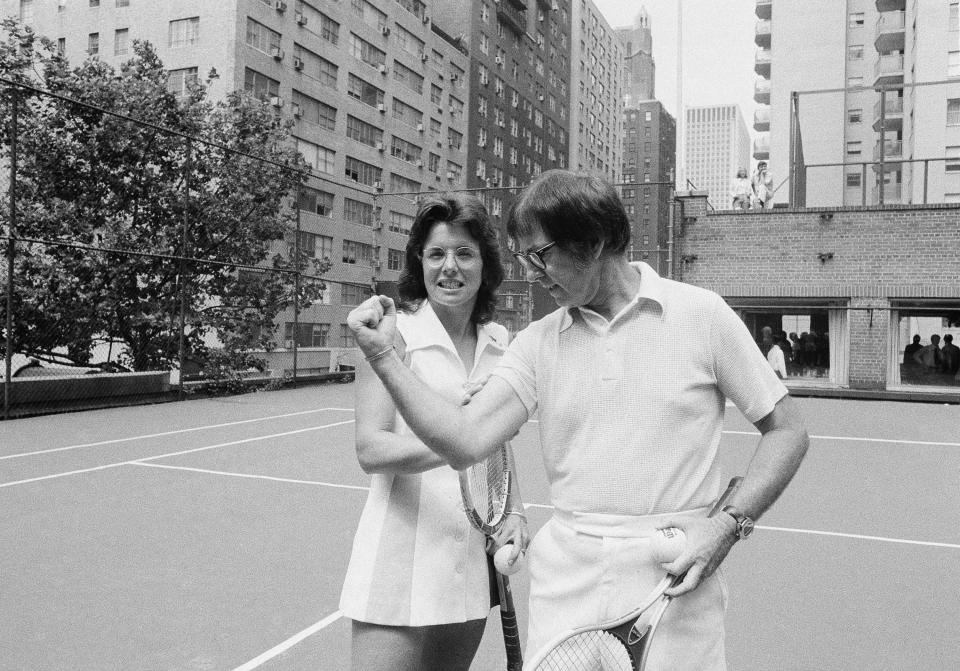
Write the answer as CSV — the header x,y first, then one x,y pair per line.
x,y
353,252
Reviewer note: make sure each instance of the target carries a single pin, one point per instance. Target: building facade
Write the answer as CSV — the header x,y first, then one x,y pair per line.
x,y
640,70
716,145
878,119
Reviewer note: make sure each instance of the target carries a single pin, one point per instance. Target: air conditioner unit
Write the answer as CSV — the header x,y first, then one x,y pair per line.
x,y
382,68
385,31
280,6
454,78
381,108
482,144
276,101
301,19
377,225
479,172
378,186
453,110
295,110
376,264
423,56
297,63
419,127
451,145
451,175
426,19
498,60
420,164
379,146
277,53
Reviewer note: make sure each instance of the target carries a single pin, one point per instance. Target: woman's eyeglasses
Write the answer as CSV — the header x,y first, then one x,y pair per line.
x,y
437,256
534,258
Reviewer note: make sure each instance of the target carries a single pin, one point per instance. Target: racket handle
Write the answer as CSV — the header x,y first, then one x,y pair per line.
x,y
508,622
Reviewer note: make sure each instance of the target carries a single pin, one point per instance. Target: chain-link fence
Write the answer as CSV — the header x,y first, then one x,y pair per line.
x,y
143,262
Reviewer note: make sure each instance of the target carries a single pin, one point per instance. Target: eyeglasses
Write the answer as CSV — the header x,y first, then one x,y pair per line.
x,y
534,258
465,257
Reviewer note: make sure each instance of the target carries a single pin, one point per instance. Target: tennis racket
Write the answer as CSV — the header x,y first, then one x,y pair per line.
x,y
617,645
485,488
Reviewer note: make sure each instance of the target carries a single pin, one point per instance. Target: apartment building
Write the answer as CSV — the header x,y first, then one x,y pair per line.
x,y
716,144
640,70
879,108
517,112
377,90
596,125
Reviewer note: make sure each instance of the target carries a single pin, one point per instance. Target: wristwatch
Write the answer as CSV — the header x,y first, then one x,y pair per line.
x,y
744,523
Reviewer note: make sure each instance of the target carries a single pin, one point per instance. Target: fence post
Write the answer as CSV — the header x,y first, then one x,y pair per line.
x,y
181,346
926,174
11,249
296,290
883,148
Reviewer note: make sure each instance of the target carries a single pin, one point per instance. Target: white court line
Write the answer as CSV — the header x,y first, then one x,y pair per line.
x,y
173,454
289,643
884,539
251,476
901,441
169,433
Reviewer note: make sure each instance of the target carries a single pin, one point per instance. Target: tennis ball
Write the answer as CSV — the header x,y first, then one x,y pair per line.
x,y
501,560
667,544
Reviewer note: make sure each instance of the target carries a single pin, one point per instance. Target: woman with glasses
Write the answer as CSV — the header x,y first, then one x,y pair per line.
x,y
417,587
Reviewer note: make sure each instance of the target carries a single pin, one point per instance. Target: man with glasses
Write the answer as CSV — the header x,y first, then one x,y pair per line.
x,y
629,379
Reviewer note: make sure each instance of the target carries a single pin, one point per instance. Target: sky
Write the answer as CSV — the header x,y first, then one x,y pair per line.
x,y
718,49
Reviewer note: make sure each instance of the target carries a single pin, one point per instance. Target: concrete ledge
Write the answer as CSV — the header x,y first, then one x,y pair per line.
x,y
87,387
911,395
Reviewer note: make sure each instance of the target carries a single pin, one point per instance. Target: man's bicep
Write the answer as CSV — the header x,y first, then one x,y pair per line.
x,y
496,412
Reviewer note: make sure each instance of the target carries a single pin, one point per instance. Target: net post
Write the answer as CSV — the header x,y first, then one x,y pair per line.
x,y
181,346
296,286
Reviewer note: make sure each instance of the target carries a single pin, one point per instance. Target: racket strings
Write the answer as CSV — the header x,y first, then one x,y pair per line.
x,y
487,491
589,651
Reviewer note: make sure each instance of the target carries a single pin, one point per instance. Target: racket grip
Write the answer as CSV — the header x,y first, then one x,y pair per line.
x,y
511,640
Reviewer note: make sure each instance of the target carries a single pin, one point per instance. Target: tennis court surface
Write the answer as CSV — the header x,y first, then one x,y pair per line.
x,y
214,535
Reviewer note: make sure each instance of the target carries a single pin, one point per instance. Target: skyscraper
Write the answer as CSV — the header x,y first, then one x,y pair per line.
x,y
909,50
715,146
638,64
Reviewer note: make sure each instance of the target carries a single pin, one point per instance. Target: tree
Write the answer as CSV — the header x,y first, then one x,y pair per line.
x,y
143,196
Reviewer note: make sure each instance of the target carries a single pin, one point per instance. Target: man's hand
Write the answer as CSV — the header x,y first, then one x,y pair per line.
x,y
374,324
709,539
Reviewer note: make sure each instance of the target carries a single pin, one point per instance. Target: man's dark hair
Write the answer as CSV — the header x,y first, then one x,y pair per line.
x,y
575,210
455,209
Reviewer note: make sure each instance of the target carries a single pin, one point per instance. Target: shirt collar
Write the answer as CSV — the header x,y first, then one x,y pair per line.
x,y
424,330
651,290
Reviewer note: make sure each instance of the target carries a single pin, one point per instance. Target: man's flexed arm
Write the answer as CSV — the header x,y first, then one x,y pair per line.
x,y
462,435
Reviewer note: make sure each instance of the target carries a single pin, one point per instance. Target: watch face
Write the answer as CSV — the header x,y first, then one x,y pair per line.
x,y
746,527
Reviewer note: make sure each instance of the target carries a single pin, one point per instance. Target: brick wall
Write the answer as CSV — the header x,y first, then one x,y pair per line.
x,y
863,257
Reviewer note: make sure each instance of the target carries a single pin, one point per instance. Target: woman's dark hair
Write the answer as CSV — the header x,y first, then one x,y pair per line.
x,y
576,210
454,209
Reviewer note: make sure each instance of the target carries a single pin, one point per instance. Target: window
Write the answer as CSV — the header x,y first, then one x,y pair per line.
x,y
853,180
953,159
184,32
180,81
93,44
811,339
308,334
363,132
358,171
123,3
366,52
318,157
356,252
412,80
854,148
953,64
855,115
26,11
346,335
260,85
400,222
364,91
121,41
314,111
953,111
395,259
407,114
922,335
953,20
329,29
854,82
855,52
94,3
355,212
856,19
316,67
315,201
405,151
262,38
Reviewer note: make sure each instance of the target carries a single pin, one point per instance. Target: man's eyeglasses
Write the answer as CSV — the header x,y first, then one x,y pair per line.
x,y
437,256
534,258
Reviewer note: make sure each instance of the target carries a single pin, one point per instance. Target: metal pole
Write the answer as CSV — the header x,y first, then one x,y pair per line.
x,y
926,174
11,248
296,290
670,219
681,121
883,149
863,184
181,353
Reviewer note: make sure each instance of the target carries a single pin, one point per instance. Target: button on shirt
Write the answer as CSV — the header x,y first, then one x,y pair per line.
x,y
631,409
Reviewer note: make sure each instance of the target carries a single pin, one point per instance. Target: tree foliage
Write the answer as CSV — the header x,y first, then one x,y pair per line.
x,y
89,178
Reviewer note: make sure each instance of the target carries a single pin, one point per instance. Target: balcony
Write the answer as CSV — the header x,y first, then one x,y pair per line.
x,y
764,9
761,147
890,32
762,35
761,91
893,114
762,63
888,70
891,5
761,119
892,150
515,18
892,193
